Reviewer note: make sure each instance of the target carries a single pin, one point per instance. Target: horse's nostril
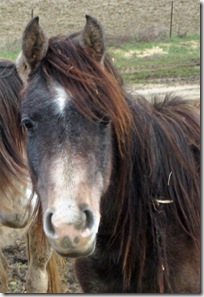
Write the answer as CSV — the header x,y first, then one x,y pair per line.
x,y
89,218
48,223
88,214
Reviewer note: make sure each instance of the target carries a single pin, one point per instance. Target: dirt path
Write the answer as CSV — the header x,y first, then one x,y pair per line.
x,y
187,91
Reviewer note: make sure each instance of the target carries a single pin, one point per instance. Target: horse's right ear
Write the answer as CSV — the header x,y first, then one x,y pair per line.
x,y
34,43
92,38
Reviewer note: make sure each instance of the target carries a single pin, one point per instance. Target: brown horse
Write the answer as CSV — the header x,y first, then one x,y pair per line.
x,y
15,208
13,172
117,177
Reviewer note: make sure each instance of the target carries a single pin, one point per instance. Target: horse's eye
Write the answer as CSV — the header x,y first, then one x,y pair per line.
x,y
28,124
105,120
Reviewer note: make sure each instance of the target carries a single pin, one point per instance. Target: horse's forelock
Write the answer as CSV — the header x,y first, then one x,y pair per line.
x,y
94,87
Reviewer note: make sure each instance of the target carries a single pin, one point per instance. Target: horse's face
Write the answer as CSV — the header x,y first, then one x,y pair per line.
x,y
70,162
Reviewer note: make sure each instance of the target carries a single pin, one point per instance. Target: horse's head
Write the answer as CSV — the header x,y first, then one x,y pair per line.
x,y
67,112
14,209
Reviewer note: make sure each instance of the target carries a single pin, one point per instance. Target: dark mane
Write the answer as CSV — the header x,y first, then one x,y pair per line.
x,y
12,164
166,127
157,145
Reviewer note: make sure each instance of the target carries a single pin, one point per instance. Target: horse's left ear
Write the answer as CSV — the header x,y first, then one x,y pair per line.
x,y
92,38
34,43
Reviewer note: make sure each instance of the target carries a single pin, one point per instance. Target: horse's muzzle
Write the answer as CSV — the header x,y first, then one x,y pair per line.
x,y
73,233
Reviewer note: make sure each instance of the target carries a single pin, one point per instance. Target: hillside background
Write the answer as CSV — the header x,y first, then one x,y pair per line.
x,y
120,18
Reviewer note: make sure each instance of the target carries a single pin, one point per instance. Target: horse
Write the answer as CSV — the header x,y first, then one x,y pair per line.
x,y
117,177
12,167
15,207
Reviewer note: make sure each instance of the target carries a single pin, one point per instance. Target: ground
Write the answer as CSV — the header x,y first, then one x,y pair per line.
x,y
16,254
17,262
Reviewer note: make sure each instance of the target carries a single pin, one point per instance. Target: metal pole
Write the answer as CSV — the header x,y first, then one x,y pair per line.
x,y
171,19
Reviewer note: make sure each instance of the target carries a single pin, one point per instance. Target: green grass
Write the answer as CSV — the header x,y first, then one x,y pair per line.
x,y
138,61
9,56
10,50
175,57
